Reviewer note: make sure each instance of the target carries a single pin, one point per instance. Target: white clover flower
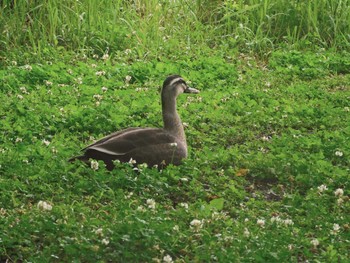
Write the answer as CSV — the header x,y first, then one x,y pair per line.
x,y
14,63
266,138
18,140
141,208
184,205
276,219
94,165
93,65
336,227
168,259
104,89
261,222
19,96
100,73
339,192
98,97
290,247
42,205
105,241
23,90
132,161
151,203
105,56
127,51
27,67
338,153
47,143
340,201
288,222
95,56
322,188
48,83
246,232
99,232
176,228
127,78
69,71
196,224
315,242
79,80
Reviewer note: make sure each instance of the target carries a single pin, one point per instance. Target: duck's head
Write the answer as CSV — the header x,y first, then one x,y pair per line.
x,y
175,85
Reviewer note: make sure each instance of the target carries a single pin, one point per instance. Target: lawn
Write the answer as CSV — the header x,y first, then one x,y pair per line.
x,y
267,177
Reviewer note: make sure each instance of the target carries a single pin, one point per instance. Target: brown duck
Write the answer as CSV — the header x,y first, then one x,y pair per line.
x,y
153,146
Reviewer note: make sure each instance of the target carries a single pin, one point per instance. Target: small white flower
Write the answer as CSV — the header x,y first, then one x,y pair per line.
x,y
100,73
48,83
105,56
14,63
347,109
340,201
167,259
93,65
141,208
79,80
132,161
42,205
95,56
322,188
99,232
176,228
339,192
260,222
98,97
105,241
19,96
151,203
69,71
288,222
23,90
27,67
94,165
246,232
276,219
184,205
127,79
196,224
47,143
127,51
336,227
338,153
18,140
315,242
290,247
104,89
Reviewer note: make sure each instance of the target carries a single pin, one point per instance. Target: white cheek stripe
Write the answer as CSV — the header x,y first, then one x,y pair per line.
x,y
174,80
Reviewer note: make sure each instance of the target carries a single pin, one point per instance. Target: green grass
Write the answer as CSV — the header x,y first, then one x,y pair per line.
x,y
156,28
267,177
263,139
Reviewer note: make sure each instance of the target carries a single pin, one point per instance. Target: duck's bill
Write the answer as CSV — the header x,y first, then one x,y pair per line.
x,y
191,90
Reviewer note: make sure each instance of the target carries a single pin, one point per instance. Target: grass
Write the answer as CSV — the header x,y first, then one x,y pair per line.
x,y
267,178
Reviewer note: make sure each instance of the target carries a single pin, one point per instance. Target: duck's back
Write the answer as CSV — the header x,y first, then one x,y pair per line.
x,y
144,145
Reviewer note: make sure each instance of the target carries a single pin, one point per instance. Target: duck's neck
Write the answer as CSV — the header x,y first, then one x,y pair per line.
x,y
171,118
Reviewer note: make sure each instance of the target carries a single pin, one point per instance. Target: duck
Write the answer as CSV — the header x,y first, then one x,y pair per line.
x,y
152,146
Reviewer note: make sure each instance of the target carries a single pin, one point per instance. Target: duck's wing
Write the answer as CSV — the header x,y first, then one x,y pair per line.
x,y
130,140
